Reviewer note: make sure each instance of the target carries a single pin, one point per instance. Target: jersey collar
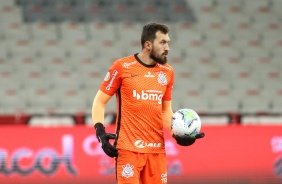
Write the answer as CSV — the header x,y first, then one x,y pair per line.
x,y
141,62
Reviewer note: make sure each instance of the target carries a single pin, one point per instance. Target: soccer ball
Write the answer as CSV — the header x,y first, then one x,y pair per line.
x,y
185,122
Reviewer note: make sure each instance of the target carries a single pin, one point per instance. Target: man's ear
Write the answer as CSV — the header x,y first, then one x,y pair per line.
x,y
148,45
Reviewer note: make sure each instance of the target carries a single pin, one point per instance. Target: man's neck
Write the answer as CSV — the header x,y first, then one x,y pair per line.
x,y
144,57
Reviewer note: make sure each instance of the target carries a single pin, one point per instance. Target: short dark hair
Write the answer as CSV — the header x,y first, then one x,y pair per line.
x,y
149,31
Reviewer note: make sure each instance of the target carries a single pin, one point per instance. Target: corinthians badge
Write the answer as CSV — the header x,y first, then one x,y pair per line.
x,y
162,78
127,171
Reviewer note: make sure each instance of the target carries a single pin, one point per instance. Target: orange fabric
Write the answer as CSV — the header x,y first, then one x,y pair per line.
x,y
141,168
140,90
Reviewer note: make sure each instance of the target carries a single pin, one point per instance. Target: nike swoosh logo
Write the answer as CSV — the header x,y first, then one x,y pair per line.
x,y
134,75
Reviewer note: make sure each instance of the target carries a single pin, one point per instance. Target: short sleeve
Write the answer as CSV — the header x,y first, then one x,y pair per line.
x,y
113,79
168,94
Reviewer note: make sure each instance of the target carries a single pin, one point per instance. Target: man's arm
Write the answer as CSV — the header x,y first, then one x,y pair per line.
x,y
98,113
98,107
167,114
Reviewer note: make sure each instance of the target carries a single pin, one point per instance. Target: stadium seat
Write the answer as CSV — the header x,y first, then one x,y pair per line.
x,y
269,73
255,6
9,82
27,2
16,31
20,48
123,12
175,11
218,38
44,30
255,52
34,80
201,6
26,67
195,101
5,3
128,30
72,31
237,22
276,62
275,7
40,100
9,13
94,12
33,12
244,86
199,53
102,32
50,49
276,105
224,102
66,12
276,52
265,21
184,76
272,89
223,7
246,38
216,87
271,39
12,101
250,104
226,55
70,101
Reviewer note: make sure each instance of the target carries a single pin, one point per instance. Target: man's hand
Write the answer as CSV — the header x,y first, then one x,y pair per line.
x,y
104,138
187,140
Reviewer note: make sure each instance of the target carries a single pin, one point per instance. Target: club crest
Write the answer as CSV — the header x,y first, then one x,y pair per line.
x,y
127,171
162,78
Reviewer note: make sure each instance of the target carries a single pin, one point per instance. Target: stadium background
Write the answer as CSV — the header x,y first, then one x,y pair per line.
x,y
227,60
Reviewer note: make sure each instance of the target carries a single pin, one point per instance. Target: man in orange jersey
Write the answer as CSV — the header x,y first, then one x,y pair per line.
x,y
143,85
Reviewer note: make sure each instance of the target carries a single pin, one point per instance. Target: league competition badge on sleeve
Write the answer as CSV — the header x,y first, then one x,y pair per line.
x,y
127,171
107,77
162,78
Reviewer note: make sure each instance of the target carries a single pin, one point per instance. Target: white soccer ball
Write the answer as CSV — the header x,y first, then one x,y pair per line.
x,y
185,122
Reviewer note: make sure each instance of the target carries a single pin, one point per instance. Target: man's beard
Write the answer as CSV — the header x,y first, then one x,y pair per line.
x,y
158,58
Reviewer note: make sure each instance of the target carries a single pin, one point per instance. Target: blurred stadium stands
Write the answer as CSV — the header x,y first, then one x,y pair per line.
x,y
227,54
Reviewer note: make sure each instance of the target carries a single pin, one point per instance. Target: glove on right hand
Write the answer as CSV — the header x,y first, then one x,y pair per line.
x,y
104,138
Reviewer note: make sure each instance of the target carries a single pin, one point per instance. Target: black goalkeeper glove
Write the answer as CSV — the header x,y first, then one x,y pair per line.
x,y
187,140
103,138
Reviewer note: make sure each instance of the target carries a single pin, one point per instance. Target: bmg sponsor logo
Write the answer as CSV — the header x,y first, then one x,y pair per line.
x,y
148,96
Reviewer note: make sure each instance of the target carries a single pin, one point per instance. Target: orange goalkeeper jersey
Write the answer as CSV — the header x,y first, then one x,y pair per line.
x,y
139,90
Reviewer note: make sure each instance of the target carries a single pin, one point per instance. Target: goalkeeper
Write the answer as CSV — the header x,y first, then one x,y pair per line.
x,y
143,85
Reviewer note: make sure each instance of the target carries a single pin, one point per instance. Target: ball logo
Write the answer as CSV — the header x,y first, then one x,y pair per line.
x,y
188,117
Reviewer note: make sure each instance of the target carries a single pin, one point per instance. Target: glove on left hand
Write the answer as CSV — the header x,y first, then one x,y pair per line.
x,y
187,140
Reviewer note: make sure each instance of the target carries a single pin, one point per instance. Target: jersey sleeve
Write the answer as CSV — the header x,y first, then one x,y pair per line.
x,y
113,79
168,94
